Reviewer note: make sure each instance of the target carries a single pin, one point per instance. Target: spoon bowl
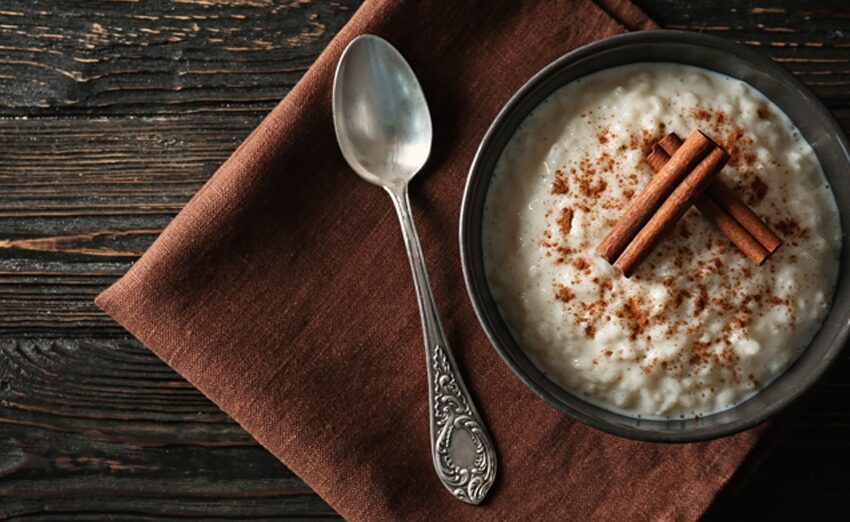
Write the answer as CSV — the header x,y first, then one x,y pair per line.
x,y
381,118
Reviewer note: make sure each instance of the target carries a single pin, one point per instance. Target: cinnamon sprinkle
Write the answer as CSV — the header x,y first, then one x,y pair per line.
x,y
565,221
635,318
581,264
562,293
790,228
758,190
560,185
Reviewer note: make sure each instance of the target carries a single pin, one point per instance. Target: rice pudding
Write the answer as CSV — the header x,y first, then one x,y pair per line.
x,y
698,328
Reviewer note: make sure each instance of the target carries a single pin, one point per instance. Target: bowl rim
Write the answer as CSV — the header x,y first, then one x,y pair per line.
x,y
759,61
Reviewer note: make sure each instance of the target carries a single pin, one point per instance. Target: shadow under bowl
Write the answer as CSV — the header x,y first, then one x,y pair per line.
x,y
815,123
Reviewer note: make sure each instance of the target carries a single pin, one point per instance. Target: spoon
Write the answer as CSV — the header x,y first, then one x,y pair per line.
x,y
383,127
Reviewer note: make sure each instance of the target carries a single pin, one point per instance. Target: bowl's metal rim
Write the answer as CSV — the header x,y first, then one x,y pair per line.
x,y
700,433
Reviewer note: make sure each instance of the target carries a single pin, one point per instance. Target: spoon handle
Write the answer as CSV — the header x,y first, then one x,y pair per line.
x,y
463,452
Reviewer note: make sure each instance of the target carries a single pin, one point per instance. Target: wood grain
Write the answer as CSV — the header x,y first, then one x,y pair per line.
x,y
157,57
103,428
80,199
112,114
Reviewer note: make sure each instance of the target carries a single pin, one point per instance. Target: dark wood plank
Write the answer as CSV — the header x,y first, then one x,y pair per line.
x,y
158,56
811,39
81,199
97,428
167,57
130,107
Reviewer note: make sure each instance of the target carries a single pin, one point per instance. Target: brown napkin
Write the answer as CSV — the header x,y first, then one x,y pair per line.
x,y
282,292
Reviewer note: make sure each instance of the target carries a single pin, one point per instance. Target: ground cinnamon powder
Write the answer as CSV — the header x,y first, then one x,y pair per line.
x,y
565,221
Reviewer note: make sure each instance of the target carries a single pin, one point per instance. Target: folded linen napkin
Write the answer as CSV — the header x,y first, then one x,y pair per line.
x,y
283,293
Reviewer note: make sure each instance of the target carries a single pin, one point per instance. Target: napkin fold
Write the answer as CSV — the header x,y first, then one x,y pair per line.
x,y
282,292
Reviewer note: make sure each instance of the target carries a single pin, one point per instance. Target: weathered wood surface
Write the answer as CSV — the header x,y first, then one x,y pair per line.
x,y
112,114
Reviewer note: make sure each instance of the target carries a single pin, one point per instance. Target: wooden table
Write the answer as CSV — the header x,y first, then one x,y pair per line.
x,y
112,114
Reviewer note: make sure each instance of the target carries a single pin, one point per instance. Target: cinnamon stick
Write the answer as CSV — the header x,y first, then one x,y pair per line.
x,y
726,198
672,209
744,215
737,234
660,187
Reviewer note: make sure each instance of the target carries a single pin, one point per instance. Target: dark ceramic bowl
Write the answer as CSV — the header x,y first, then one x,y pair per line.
x,y
818,127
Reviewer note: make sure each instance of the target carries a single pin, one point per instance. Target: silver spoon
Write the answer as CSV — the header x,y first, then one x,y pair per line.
x,y
383,127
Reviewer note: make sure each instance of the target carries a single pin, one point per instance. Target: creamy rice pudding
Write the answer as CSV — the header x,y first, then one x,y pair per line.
x,y
698,328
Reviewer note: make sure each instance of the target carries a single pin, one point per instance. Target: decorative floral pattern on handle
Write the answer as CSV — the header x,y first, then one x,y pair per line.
x,y
466,466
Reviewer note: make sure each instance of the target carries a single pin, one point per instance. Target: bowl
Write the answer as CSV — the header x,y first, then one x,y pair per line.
x,y
813,120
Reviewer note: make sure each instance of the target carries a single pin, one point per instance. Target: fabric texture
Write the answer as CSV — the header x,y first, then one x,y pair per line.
x,y
283,293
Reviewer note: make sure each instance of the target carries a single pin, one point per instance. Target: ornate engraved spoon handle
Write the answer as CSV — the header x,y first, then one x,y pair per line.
x,y
463,453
